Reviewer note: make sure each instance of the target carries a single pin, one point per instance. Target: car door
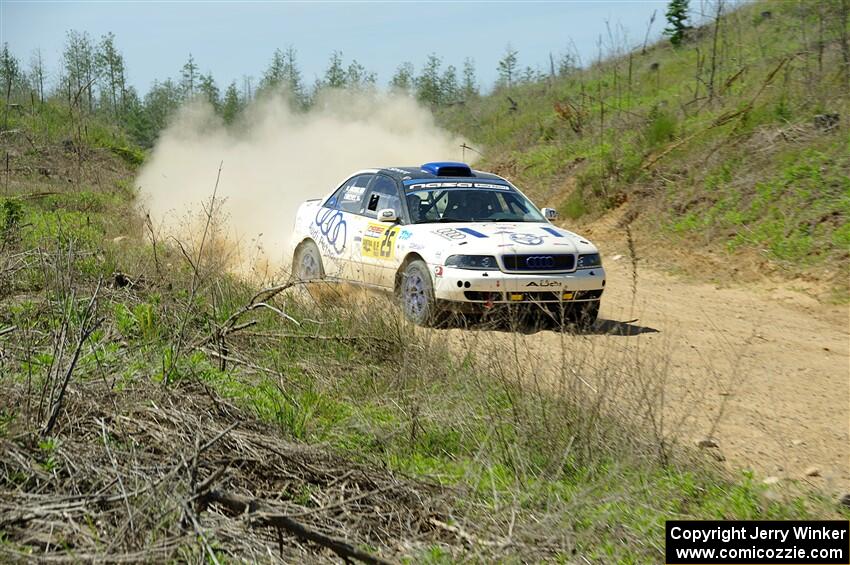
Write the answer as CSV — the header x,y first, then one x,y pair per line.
x,y
338,228
377,249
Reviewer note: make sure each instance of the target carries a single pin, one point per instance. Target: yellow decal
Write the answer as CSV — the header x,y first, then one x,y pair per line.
x,y
379,241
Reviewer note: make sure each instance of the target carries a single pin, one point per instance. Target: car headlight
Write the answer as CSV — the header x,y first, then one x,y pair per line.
x,y
480,262
589,261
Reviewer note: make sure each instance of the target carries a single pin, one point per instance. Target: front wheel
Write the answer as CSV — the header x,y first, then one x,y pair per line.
x,y
307,263
416,293
584,314
579,316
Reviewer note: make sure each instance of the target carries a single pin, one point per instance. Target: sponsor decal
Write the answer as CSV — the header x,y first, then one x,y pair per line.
x,y
450,234
544,283
353,193
428,185
553,231
330,230
374,230
471,231
379,241
416,247
405,234
438,270
526,238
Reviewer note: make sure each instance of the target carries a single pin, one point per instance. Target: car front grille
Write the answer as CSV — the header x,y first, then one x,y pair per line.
x,y
539,263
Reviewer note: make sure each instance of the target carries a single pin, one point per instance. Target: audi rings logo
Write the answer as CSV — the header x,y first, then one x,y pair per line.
x,y
332,226
526,238
540,262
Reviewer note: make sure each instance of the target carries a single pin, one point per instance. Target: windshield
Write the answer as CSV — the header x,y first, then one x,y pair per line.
x,y
498,204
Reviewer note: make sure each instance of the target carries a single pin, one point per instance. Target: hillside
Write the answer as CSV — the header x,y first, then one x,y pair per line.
x,y
731,151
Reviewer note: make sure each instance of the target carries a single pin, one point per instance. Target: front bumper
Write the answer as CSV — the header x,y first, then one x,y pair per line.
x,y
495,287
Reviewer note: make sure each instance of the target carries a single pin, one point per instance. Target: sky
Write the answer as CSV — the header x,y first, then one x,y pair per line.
x,y
236,39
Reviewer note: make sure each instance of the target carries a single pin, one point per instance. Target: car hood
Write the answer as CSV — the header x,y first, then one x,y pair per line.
x,y
494,238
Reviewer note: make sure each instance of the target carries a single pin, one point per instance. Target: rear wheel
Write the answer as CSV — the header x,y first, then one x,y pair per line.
x,y
307,263
416,293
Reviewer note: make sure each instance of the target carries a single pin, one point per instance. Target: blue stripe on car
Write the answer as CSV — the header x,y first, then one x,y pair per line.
x,y
471,231
553,231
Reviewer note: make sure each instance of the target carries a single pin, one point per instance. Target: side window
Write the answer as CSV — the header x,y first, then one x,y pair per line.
x,y
349,197
384,194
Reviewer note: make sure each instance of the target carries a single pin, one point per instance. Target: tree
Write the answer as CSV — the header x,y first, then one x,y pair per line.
x,y
160,103
292,76
567,64
37,74
403,78
137,119
273,75
469,87
110,64
428,83
508,67
529,75
449,88
677,16
9,71
231,106
189,76
283,74
208,90
80,69
335,73
358,78
247,88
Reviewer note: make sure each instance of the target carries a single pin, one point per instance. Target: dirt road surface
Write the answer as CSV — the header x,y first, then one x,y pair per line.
x,y
763,371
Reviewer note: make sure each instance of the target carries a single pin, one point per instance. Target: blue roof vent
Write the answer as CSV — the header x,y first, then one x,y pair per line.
x,y
448,169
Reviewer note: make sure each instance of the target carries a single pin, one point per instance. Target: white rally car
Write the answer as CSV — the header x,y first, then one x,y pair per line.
x,y
445,237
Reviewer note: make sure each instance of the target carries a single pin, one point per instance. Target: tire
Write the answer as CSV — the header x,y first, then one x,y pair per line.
x,y
416,294
307,263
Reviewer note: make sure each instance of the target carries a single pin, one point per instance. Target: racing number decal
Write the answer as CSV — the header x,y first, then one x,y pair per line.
x,y
379,241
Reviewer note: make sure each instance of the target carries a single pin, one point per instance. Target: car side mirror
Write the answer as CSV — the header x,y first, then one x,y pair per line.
x,y
550,213
387,215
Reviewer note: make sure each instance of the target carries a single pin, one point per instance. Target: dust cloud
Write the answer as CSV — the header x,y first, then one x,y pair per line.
x,y
273,159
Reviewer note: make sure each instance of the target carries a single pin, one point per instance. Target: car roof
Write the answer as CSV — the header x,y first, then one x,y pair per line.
x,y
419,173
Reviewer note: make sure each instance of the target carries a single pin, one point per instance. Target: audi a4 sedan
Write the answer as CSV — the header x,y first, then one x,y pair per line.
x,y
446,238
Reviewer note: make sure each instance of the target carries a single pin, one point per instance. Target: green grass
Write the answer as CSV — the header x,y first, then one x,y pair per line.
x,y
797,214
